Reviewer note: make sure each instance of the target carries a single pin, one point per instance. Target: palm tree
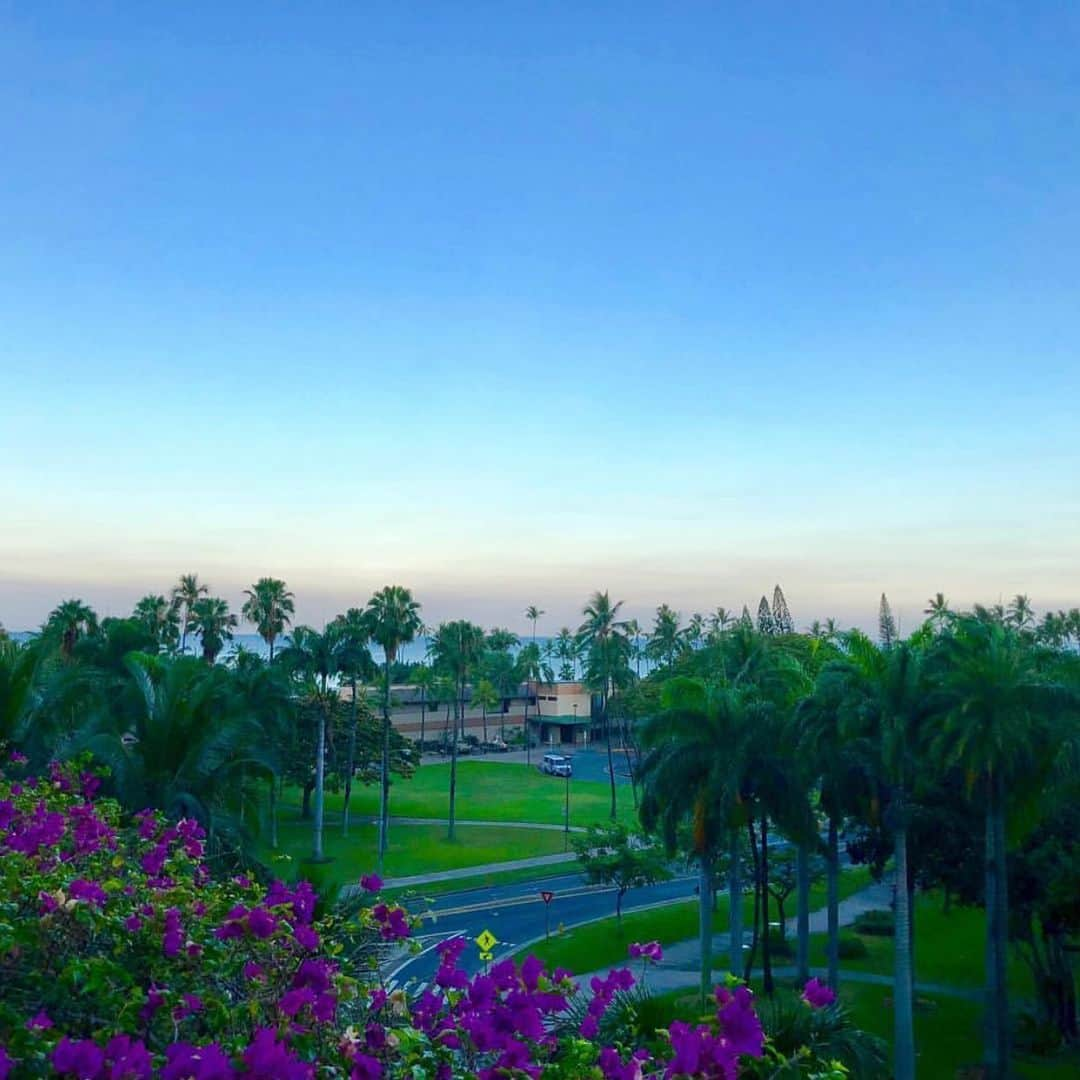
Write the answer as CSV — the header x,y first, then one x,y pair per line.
x,y
566,653
695,631
185,595
533,613
211,618
269,605
603,641
160,618
70,621
665,641
423,679
884,704
185,747
1021,615
719,621
692,775
937,610
393,620
487,697
19,670
456,648
316,659
355,663
999,706
531,667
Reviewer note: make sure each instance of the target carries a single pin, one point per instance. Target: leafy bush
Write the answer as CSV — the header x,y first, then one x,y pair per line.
x,y
850,947
875,924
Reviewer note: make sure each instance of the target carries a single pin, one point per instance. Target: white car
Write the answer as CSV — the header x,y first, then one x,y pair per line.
x,y
557,765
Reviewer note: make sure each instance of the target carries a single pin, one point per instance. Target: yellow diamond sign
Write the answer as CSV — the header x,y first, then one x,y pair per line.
x,y
486,940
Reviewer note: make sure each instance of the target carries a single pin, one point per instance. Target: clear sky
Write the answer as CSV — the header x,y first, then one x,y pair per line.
x,y
508,302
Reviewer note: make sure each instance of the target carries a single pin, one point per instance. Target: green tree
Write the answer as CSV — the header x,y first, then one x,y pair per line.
x,y
566,654
781,614
393,620
214,623
456,648
1002,713
887,632
533,613
937,611
357,666
612,855
531,668
424,681
486,697
69,622
269,606
1020,614
666,641
766,624
185,595
603,640
160,618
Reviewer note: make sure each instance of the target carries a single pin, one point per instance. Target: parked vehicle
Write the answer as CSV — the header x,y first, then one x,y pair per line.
x,y
495,746
557,765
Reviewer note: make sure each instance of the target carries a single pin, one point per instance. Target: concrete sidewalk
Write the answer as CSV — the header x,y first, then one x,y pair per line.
x,y
372,819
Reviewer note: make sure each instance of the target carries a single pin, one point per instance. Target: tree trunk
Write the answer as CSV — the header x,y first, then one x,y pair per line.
x,y
766,942
802,903
735,919
423,715
453,767
485,726
832,901
349,767
997,1000
903,1004
273,813
528,744
751,956
384,785
705,924
610,757
320,781
305,805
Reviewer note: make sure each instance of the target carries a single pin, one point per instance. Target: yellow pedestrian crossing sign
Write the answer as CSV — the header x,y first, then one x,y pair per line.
x,y
487,941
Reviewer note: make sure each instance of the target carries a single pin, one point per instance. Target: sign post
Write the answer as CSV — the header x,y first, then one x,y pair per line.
x,y
547,897
486,941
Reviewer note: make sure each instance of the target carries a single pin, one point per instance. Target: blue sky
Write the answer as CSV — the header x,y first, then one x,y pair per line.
x,y
510,302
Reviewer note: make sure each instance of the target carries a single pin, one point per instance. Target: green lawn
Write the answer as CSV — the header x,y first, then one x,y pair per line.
x,y
948,949
489,791
478,881
414,849
603,943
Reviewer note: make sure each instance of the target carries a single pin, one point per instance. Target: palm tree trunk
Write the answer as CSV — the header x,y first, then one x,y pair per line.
x,y
485,726
453,767
751,956
735,919
705,924
766,941
273,812
423,714
997,1003
610,757
351,764
320,779
384,789
802,915
832,901
903,1003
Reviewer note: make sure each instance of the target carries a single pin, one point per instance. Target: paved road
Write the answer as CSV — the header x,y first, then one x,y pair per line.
x,y
515,914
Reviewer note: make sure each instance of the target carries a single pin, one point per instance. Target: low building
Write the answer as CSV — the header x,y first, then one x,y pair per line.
x,y
563,714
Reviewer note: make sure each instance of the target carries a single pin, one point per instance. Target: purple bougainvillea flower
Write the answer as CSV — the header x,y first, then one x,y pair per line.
x,y
81,1059
6,1064
650,950
817,995
261,923
89,892
39,1022
366,1068
187,1062
371,883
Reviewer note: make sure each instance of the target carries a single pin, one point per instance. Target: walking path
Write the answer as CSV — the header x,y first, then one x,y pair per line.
x,y
372,819
477,871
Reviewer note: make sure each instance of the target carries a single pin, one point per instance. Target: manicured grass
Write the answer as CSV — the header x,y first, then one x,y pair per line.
x,y
603,943
479,881
947,1033
949,949
414,849
488,791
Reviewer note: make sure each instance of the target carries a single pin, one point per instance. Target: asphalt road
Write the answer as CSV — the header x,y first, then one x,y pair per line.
x,y
515,914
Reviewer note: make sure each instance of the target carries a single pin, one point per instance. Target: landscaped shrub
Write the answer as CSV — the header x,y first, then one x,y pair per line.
x,y
875,923
121,958
850,947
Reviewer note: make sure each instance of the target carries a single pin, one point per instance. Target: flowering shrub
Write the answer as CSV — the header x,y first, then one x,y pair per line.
x,y
121,959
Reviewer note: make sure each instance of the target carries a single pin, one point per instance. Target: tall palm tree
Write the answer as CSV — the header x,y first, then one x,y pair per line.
x,y
213,621
423,680
486,697
606,648
531,668
1000,706
186,593
566,653
70,621
533,613
719,621
160,617
666,641
884,707
269,605
456,648
315,659
1020,615
937,610
695,631
692,774
393,620
356,665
